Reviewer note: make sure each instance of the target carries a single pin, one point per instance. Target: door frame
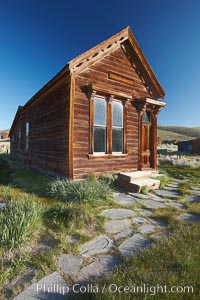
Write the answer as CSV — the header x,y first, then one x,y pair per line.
x,y
154,106
152,140
146,133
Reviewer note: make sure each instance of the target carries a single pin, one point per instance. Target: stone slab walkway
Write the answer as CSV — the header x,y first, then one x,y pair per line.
x,y
98,267
172,194
116,226
125,200
118,213
193,198
154,204
189,217
194,192
70,264
133,245
128,230
51,287
124,234
176,204
101,244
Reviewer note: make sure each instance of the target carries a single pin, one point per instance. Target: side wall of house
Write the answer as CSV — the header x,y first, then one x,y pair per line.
x,y
48,118
196,146
98,73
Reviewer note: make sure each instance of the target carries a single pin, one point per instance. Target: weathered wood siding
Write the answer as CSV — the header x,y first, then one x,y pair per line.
x,y
97,73
48,116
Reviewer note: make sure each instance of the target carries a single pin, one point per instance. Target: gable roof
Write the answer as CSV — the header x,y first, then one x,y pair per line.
x,y
126,39
19,110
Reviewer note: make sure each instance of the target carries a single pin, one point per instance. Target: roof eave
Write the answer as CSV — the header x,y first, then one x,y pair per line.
x,y
18,113
80,62
44,89
145,63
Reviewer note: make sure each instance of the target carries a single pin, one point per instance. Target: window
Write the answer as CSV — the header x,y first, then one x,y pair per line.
x,y
106,126
19,137
100,124
117,127
146,118
27,135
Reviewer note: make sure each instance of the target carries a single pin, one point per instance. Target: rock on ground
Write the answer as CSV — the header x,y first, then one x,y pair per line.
x,y
140,196
155,197
101,244
193,198
154,204
145,212
125,233
115,226
194,192
51,287
168,194
118,213
124,199
139,220
134,245
147,228
176,205
97,267
189,218
70,264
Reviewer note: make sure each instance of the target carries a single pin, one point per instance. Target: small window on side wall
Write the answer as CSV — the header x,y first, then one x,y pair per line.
x,y
19,136
27,136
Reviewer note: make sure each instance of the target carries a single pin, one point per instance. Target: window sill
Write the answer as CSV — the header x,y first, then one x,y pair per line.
x,y
107,156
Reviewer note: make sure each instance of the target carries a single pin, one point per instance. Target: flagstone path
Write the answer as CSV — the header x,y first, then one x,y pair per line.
x,y
128,230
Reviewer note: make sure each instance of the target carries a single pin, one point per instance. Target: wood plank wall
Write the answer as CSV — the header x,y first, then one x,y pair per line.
x,y
49,131
98,73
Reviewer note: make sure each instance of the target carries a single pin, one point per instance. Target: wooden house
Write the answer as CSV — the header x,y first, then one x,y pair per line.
x,y
98,115
3,135
191,146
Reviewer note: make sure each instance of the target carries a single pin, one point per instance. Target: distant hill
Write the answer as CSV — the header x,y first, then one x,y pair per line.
x,y
169,135
5,130
169,132
184,133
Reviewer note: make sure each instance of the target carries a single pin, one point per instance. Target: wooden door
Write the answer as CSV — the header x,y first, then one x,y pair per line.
x,y
146,141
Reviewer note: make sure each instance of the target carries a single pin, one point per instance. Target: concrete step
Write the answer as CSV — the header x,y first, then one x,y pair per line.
x,y
137,175
136,187
134,181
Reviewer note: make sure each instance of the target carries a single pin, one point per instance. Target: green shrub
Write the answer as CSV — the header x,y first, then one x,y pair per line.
x,y
18,221
6,192
108,178
145,189
57,217
72,218
164,179
84,190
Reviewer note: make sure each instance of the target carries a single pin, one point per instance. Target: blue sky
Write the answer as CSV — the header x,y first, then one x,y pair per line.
x,y
38,38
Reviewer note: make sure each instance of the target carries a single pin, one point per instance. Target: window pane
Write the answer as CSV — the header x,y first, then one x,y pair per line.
x,y
27,135
27,128
117,114
146,117
99,139
117,139
99,111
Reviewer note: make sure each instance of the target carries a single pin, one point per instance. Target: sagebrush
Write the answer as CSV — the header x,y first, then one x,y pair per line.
x,y
84,190
18,220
